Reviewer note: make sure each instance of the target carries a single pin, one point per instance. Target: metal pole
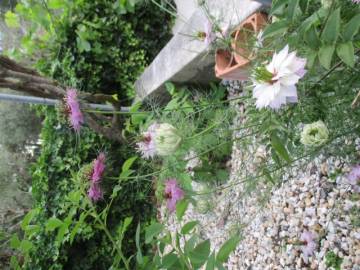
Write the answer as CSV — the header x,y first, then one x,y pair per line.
x,y
53,102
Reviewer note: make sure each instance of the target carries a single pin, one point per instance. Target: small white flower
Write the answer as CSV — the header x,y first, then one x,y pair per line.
x,y
147,146
275,83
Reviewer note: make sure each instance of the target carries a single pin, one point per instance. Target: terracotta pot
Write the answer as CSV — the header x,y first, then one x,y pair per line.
x,y
227,68
235,65
246,31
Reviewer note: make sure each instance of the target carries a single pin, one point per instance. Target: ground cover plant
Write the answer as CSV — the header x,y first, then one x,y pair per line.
x,y
301,100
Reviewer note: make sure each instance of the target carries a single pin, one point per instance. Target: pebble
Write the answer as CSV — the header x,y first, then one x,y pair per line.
x,y
306,200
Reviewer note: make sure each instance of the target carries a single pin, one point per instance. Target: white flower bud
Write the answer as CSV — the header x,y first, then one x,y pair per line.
x,y
167,139
315,134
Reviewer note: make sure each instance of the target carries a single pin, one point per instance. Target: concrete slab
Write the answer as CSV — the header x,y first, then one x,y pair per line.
x,y
186,59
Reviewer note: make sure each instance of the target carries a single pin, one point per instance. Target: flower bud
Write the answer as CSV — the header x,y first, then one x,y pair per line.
x,y
315,134
167,139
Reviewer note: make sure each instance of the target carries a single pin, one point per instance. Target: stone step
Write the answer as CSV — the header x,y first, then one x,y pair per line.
x,y
188,60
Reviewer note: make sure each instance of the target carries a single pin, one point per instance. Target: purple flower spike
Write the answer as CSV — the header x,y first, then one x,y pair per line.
x,y
95,193
173,193
76,116
99,168
309,247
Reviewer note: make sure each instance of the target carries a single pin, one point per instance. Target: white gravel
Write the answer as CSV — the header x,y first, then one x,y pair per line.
x,y
308,200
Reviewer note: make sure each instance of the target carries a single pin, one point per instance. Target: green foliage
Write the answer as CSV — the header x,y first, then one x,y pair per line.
x,y
332,260
96,46
317,30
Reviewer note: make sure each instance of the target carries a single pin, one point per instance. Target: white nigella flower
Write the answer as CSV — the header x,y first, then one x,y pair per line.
x,y
147,145
159,139
275,83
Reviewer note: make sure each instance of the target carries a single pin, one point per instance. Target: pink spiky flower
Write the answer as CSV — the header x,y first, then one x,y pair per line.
x,y
309,244
75,114
95,193
99,168
173,193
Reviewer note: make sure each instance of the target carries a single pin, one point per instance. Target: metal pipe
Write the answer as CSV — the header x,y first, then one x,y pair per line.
x,y
53,102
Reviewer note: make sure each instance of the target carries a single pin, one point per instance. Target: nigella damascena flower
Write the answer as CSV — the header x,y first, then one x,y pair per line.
x,y
147,146
173,193
75,114
208,36
98,168
275,83
159,139
309,244
314,134
356,1
354,178
95,193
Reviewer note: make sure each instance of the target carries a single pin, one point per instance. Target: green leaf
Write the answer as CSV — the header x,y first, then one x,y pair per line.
x,y
277,5
200,254
279,147
190,244
14,264
56,4
312,39
128,163
28,217
312,20
170,87
351,28
53,223
12,19
325,55
169,260
189,226
210,265
152,231
276,28
14,241
25,246
126,224
139,257
346,53
181,208
228,247
332,28
293,8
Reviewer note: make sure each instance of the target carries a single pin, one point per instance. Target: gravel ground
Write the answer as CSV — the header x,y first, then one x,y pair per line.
x,y
316,198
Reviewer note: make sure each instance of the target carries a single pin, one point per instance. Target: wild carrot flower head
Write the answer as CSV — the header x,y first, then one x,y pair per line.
x,y
309,244
173,193
275,83
98,168
147,145
75,114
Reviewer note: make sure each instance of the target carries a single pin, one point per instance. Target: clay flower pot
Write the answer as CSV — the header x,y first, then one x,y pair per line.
x,y
235,65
